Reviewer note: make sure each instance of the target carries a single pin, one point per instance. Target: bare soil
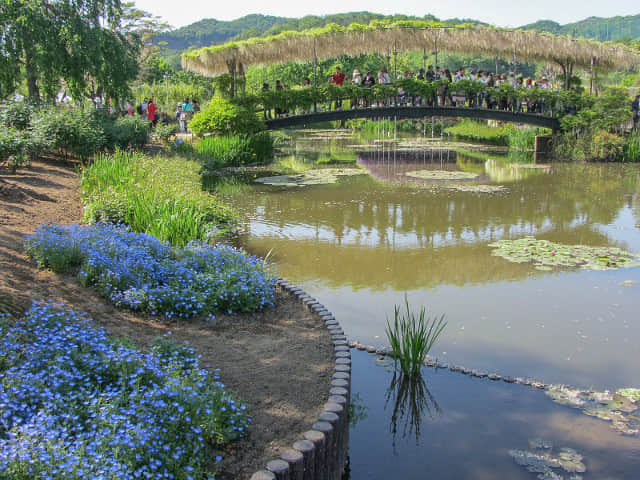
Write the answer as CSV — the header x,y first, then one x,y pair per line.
x,y
278,360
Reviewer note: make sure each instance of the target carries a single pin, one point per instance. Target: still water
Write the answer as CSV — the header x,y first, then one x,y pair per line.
x,y
363,243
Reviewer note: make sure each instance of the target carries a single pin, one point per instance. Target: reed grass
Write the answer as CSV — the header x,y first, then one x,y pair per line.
x,y
156,195
412,336
290,166
631,151
235,150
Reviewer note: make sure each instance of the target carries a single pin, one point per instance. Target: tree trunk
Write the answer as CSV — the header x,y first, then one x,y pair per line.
x,y
32,76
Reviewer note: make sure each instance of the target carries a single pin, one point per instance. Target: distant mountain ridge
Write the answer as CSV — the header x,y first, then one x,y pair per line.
x,y
601,29
211,31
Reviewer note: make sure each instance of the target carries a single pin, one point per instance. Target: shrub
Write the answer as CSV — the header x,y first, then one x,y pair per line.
x,y
122,132
70,131
606,146
77,405
165,132
18,147
139,272
17,114
223,117
412,337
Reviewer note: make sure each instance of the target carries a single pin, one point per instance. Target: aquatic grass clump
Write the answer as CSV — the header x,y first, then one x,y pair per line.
x,y
140,272
155,195
75,404
412,337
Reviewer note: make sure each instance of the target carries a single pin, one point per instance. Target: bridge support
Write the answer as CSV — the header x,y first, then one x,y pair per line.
x,y
544,146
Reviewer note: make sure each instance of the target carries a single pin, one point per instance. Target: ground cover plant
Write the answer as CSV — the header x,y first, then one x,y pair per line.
x,y
77,404
158,195
140,272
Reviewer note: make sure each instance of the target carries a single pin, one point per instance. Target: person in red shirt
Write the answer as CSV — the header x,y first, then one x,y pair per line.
x,y
151,112
338,79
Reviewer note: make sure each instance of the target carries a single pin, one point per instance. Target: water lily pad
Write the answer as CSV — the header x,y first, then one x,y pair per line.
x,y
478,188
322,176
547,464
547,255
441,175
619,408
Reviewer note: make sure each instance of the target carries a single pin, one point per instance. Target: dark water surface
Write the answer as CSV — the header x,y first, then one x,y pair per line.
x,y
467,426
359,245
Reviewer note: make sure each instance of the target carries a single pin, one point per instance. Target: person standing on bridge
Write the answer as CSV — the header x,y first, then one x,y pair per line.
x,y
635,108
338,80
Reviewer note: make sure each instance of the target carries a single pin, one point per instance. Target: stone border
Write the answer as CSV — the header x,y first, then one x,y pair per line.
x,y
321,453
434,363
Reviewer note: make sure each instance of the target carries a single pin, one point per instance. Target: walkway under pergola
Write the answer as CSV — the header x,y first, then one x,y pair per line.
x,y
334,40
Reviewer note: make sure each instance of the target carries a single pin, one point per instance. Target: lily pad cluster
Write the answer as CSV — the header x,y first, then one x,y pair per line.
x,y
545,255
323,176
478,188
441,175
547,464
621,408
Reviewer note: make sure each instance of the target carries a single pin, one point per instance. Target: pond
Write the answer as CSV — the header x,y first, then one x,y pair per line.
x,y
436,222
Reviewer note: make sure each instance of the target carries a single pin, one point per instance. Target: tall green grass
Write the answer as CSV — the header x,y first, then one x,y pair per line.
x,y
155,195
631,151
235,150
473,131
412,336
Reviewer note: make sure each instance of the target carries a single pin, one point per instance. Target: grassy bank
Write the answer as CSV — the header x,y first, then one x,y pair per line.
x,y
159,195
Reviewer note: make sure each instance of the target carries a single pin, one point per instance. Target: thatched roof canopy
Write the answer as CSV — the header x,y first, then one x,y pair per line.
x,y
380,37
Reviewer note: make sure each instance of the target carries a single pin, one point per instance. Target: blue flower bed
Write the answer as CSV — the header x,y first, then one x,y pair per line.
x,y
74,404
140,272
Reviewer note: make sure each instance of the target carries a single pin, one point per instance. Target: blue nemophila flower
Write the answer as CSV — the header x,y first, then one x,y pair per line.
x,y
140,272
73,404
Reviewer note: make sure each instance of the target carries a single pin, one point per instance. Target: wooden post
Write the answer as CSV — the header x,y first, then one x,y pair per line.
x,y
295,459
319,441
308,451
280,469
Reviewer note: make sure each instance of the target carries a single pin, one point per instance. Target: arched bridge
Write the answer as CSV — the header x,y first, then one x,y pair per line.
x,y
417,112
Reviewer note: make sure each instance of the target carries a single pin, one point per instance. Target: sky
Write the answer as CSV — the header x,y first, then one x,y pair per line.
x,y
503,13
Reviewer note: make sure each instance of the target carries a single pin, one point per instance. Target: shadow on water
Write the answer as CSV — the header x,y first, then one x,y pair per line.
x,y
411,401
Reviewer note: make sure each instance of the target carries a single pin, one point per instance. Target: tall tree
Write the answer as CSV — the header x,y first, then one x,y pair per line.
x,y
79,42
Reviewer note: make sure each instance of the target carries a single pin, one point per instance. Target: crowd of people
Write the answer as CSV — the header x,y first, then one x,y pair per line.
x,y
148,110
446,94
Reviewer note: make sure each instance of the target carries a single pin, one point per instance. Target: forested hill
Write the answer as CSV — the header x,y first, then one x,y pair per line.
x,y
210,31
601,29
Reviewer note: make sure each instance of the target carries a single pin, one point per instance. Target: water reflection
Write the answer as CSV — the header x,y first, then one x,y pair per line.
x,y
358,244
471,435
411,401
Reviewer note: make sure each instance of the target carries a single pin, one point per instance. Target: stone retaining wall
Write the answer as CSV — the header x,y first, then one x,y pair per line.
x,y
321,453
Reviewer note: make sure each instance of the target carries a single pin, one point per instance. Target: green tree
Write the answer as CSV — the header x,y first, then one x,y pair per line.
x,y
78,41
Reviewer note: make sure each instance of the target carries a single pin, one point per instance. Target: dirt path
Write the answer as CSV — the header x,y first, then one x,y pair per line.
x,y
278,360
